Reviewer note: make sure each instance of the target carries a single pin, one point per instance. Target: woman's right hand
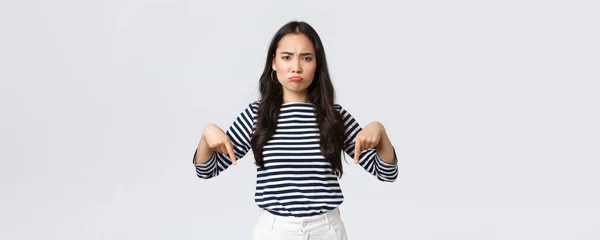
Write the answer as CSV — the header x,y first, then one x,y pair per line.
x,y
218,141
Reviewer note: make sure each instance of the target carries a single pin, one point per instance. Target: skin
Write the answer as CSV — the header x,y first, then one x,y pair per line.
x,y
374,135
295,56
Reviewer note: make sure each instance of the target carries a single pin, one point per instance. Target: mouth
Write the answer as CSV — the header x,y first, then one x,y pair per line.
x,y
296,79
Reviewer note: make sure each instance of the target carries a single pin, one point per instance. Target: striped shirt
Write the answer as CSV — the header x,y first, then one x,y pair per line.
x,y
297,179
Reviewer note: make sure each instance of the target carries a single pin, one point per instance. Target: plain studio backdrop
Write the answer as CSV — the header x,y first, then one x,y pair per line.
x,y
493,107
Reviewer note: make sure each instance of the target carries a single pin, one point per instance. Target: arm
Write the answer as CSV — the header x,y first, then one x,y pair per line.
x,y
203,152
380,161
385,149
210,163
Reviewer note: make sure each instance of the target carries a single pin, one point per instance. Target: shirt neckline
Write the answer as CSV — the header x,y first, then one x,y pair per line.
x,y
297,103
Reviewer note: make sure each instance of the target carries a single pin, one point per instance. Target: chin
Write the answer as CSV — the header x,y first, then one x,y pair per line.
x,y
297,87
297,90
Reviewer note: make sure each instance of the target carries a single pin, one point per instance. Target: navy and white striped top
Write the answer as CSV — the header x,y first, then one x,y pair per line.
x,y
297,179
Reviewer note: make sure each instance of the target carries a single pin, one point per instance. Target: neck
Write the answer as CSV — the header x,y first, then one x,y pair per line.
x,y
295,97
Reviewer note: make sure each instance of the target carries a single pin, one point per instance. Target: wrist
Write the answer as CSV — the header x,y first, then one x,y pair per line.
x,y
205,131
207,128
379,126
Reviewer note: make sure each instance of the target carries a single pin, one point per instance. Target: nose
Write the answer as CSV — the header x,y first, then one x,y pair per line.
x,y
296,67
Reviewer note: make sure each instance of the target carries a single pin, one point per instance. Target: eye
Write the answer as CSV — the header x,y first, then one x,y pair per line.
x,y
308,59
285,57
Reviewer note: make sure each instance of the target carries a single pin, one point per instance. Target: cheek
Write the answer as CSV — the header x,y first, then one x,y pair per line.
x,y
311,69
283,66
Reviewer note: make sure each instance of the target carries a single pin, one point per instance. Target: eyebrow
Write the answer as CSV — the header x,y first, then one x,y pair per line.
x,y
301,54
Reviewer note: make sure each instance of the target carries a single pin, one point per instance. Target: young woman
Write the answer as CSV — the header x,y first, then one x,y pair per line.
x,y
298,135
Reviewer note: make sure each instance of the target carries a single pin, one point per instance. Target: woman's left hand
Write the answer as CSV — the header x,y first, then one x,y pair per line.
x,y
367,138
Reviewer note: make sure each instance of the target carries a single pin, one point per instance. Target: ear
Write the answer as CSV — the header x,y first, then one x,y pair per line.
x,y
273,64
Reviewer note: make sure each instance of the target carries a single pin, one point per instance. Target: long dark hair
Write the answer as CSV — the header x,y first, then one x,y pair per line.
x,y
320,93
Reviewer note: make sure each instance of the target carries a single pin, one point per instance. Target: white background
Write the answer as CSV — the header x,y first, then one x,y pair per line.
x,y
493,107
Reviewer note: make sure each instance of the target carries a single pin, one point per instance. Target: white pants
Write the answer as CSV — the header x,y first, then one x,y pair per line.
x,y
327,226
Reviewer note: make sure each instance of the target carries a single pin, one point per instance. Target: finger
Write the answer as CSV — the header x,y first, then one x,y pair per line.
x,y
375,142
222,149
371,144
229,147
357,148
216,148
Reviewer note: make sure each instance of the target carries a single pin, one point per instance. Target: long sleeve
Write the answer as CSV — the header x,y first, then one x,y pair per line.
x,y
240,133
368,159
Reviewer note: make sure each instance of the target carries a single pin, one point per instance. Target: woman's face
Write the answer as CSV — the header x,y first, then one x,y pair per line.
x,y
295,63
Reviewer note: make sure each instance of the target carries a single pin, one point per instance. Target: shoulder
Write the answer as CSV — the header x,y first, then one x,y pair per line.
x,y
340,108
337,106
255,104
251,108
343,111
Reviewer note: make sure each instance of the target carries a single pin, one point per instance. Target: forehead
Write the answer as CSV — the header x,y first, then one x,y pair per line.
x,y
295,43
